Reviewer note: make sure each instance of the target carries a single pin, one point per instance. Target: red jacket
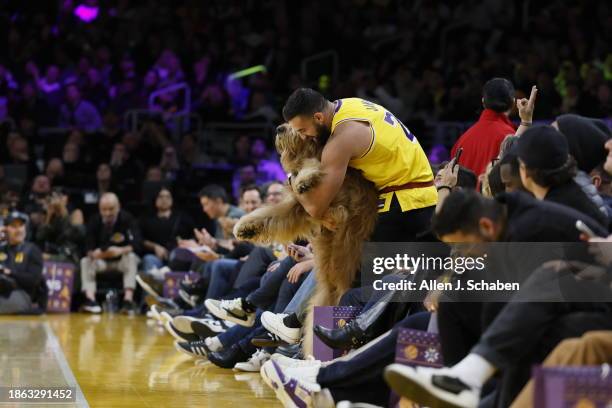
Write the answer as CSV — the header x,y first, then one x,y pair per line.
x,y
481,141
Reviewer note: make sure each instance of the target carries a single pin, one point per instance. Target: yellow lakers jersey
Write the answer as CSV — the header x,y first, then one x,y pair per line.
x,y
394,156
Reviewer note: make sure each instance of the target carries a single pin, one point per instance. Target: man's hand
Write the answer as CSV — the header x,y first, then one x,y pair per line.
x,y
161,252
298,253
115,251
298,269
448,175
204,237
526,106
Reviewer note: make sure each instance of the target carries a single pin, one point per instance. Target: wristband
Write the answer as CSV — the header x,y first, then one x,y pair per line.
x,y
442,187
526,124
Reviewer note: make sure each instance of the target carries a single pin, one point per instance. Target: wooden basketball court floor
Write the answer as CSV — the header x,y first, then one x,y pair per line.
x,y
117,361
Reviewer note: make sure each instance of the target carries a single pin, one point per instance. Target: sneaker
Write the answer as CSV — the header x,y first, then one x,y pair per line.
x,y
196,349
228,357
129,308
254,363
292,392
168,311
286,362
150,285
231,310
183,323
91,306
191,300
159,274
431,387
267,340
178,334
207,327
273,322
349,404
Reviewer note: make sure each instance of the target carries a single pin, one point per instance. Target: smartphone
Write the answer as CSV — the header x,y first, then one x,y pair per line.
x,y
457,156
582,227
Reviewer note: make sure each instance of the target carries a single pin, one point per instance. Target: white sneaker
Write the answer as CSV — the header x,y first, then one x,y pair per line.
x,y
231,310
292,392
431,386
273,322
159,274
255,362
288,362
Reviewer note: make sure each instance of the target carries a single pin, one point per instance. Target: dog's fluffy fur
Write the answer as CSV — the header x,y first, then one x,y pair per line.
x,y
337,253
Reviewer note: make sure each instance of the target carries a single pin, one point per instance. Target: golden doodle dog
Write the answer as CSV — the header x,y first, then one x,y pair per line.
x,y
351,216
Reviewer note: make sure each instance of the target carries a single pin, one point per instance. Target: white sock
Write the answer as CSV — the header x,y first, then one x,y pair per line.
x,y
473,370
213,343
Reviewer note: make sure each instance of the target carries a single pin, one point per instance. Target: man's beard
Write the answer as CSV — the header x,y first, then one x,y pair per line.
x,y
323,134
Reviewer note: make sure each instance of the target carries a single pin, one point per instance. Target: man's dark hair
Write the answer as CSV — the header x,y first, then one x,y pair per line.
x,y
214,191
462,211
303,101
496,185
498,95
249,187
554,177
266,187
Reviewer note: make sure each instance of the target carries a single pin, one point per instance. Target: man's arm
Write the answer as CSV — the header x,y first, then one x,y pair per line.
x,y
350,139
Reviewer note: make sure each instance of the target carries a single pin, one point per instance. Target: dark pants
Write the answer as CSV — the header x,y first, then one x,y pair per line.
x,y
459,324
360,378
271,282
397,226
256,264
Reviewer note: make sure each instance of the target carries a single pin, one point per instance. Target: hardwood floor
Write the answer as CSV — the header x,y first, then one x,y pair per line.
x,y
119,361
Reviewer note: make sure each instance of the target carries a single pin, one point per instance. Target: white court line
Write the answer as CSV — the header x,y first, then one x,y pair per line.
x,y
54,345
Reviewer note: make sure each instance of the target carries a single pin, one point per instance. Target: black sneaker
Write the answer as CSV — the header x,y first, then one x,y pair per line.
x,y
208,327
180,335
150,285
91,306
196,348
129,307
227,358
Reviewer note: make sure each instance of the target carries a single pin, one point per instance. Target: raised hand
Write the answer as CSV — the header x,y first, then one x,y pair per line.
x,y
526,106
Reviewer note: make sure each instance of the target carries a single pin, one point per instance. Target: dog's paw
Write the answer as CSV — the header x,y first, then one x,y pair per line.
x,y
248,230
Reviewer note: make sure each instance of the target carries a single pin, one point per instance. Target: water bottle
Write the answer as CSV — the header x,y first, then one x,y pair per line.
x,y
111,304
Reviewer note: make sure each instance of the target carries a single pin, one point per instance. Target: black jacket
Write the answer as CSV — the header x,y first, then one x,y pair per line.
x,y
530,220
25,262
124,232
572,195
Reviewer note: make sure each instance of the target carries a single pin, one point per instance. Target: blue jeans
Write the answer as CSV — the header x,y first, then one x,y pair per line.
x,y
299,302
223,273
150,261
270,285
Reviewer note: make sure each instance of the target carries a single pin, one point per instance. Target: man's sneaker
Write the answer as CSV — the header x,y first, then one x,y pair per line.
x,y
267,340
254,363
287,362
208,327
159,274
191,300
273,322
150,285
231,310
169,311
183,323
228,357
91,306
432,387
129,307
178,334
196,349
292,392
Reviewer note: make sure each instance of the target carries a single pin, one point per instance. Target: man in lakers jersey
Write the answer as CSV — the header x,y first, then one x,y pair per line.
x,y
363,135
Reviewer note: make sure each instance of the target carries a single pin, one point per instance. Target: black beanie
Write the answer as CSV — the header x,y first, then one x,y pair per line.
x,y
586,138
542,148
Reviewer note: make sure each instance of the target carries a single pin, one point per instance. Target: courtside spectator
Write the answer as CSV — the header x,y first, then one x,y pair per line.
x,y
113,237
21,280
481,142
